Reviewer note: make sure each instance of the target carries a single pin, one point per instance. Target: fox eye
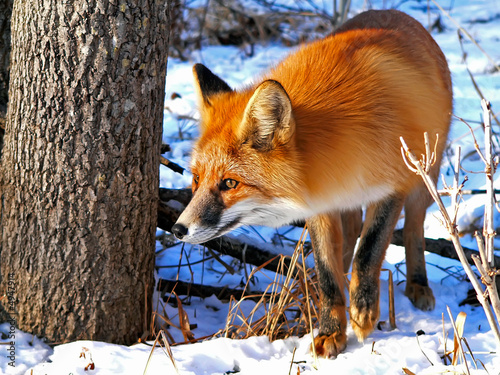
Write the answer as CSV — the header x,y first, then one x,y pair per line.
x,y
196,179
229,184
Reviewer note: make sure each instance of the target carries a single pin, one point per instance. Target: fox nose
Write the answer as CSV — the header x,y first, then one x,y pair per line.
x,y
179,231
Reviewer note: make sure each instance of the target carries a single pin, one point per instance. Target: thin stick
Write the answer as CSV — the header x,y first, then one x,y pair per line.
x,y
459,339
175,167
488,273
291,362
420,347
445,356
474,83
456,190
489,230
168,351
476,145
477,261
392,309
315,355
480,247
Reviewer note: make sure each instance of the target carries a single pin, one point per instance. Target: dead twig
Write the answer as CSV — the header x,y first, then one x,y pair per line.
x,y
497,67
173,166
473,80
421,167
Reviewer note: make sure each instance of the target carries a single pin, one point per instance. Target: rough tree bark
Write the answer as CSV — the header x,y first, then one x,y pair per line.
x,y
5,13
80,167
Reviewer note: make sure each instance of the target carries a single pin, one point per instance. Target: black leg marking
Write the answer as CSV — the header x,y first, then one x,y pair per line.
x,y
331,296
420,277
374,241
364,289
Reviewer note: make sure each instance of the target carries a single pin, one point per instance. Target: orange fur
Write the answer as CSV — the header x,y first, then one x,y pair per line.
x,y
353,95
317,138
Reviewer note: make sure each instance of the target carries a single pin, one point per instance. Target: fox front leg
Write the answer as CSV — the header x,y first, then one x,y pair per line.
x,y
381,218
326,237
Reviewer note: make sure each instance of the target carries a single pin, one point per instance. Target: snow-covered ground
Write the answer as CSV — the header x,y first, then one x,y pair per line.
x,y
384,352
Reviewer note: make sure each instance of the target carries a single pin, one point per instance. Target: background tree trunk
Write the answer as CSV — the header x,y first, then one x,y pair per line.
x,y
80,166
5,13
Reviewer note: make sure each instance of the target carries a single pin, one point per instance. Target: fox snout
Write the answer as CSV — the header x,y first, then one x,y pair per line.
x,y
205,217
192,231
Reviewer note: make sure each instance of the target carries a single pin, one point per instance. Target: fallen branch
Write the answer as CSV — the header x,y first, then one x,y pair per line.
x,y
469,192
441,247
182,288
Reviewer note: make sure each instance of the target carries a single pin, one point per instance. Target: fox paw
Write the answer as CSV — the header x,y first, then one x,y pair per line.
x,y
329,346
421,296
363,320
364,309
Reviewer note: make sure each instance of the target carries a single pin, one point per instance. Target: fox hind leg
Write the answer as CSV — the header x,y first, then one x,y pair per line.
x,y
417,286
327,240
381,218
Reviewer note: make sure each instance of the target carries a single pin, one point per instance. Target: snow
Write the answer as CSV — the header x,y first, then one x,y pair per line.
x,y
383,352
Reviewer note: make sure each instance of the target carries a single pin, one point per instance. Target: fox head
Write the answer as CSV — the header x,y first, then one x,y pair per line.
x,y
244,165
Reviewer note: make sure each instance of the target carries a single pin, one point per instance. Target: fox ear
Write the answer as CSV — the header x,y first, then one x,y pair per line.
x,y
268,121
208,83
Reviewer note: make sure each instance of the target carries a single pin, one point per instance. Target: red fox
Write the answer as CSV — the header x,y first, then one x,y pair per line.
x,y
317,138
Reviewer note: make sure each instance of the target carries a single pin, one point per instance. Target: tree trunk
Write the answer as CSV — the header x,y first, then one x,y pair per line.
x,y
5,13
80,167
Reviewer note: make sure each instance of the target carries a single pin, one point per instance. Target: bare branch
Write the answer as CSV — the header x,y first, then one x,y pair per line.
x,y
467,34
441,247
175,167
422,167
476,145
455,193
489,230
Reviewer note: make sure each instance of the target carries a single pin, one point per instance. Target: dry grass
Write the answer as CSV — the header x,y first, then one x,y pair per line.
x,y
162,342
286,308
